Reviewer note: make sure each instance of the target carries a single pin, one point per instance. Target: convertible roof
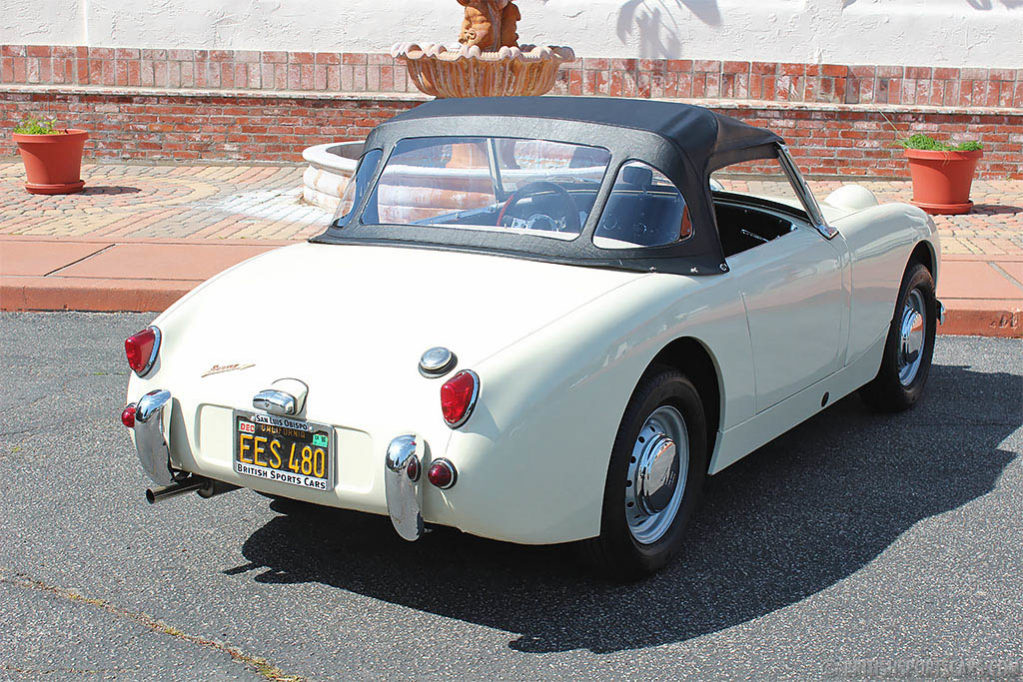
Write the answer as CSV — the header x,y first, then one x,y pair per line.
x,y
708,139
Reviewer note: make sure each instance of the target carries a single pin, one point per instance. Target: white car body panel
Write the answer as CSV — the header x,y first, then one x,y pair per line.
x,y
558,349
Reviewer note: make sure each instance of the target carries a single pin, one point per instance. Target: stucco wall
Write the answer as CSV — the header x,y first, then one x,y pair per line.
x,y
963,33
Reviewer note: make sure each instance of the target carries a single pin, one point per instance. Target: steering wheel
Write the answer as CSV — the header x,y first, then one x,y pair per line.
x,y
571,214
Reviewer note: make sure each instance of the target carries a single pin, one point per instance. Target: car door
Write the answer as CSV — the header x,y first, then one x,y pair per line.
x,y
795,306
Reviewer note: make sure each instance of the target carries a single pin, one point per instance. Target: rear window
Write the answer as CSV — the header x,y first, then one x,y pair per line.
x,y
644,209
537,187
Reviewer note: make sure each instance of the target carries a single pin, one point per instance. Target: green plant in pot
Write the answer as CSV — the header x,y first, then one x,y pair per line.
x,y
52,156
942,173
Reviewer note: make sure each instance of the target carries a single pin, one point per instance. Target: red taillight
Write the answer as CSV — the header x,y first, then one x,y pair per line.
x,y
141,349
128,416
442,474
458,397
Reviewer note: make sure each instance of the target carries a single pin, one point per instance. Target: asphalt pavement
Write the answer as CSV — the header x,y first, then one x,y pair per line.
x,y
857,545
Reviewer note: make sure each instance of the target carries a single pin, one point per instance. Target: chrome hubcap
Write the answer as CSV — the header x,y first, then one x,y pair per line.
x,y
911,337
657,474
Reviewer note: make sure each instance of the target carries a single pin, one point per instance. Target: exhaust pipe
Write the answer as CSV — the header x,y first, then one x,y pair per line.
x,y
206,487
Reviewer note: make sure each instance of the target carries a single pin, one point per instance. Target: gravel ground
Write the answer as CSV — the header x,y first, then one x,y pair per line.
x,y
857,545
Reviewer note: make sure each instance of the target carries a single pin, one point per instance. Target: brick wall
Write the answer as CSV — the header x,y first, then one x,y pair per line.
x,y
197,104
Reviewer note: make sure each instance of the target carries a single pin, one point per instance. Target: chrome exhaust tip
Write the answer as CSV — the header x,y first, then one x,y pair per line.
x,y
206,487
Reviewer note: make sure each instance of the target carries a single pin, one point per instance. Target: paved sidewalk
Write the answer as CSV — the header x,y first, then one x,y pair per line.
x,y
133,201
141,236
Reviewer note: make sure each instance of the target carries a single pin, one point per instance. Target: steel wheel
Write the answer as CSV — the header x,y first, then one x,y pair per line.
x,y
912,337
657,474
908,348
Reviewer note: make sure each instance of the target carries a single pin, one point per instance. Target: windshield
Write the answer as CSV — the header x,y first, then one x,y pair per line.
x,y
536,187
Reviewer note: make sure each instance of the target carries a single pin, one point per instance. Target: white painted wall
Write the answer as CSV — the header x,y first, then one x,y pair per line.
x,y
977,33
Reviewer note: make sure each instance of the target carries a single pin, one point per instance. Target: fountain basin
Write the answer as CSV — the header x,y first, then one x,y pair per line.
x,y
331,166
524,71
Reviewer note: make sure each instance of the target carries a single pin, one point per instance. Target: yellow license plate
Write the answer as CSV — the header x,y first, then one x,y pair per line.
x,y
281,449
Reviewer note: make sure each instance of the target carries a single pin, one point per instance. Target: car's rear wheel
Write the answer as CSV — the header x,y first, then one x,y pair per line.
x,y
909,346
657,469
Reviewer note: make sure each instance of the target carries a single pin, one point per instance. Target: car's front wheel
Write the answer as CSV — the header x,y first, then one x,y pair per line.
x,y
656,473
909,346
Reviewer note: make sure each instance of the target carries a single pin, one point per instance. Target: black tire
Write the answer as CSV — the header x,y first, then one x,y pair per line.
x,y
887,392
616,552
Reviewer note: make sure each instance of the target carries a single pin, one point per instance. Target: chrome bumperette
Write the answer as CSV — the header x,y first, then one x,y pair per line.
x,y
941,313
152,435
402,472
804,193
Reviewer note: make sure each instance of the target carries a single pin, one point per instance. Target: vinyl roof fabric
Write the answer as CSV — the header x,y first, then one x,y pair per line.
x,y
708,139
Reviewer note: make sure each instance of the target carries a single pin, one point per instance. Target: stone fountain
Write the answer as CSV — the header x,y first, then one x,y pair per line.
x,y
488,61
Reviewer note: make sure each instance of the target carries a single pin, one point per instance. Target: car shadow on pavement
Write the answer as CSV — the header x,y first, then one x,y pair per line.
x,y
804,512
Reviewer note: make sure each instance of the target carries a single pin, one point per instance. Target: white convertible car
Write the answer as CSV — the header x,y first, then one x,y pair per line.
x,y
539,321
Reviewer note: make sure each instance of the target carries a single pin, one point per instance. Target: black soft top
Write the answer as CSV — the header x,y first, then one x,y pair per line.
x,y
684,142
709,139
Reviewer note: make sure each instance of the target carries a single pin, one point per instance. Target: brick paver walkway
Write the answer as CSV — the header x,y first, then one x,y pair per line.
x,y
134,201
131,201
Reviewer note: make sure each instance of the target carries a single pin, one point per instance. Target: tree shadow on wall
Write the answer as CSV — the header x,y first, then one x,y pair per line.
x,y
986,4
657,25
801,514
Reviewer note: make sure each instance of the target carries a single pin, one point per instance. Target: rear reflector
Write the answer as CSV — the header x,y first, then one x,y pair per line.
x,y
442,474
142,349
128,416
458,397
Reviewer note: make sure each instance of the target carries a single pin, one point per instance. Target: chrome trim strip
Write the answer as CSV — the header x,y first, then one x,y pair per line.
x,y
941,313
804,193
401,473
152,431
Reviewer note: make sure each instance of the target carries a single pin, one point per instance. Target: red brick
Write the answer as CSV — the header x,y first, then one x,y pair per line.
x,y
834,70
38,50
680,65
706,65
134,73
353,58
273,57
328,58
792,69
596,64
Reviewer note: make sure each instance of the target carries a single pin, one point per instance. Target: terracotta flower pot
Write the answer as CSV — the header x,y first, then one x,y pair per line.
x,y
53,163
942,180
